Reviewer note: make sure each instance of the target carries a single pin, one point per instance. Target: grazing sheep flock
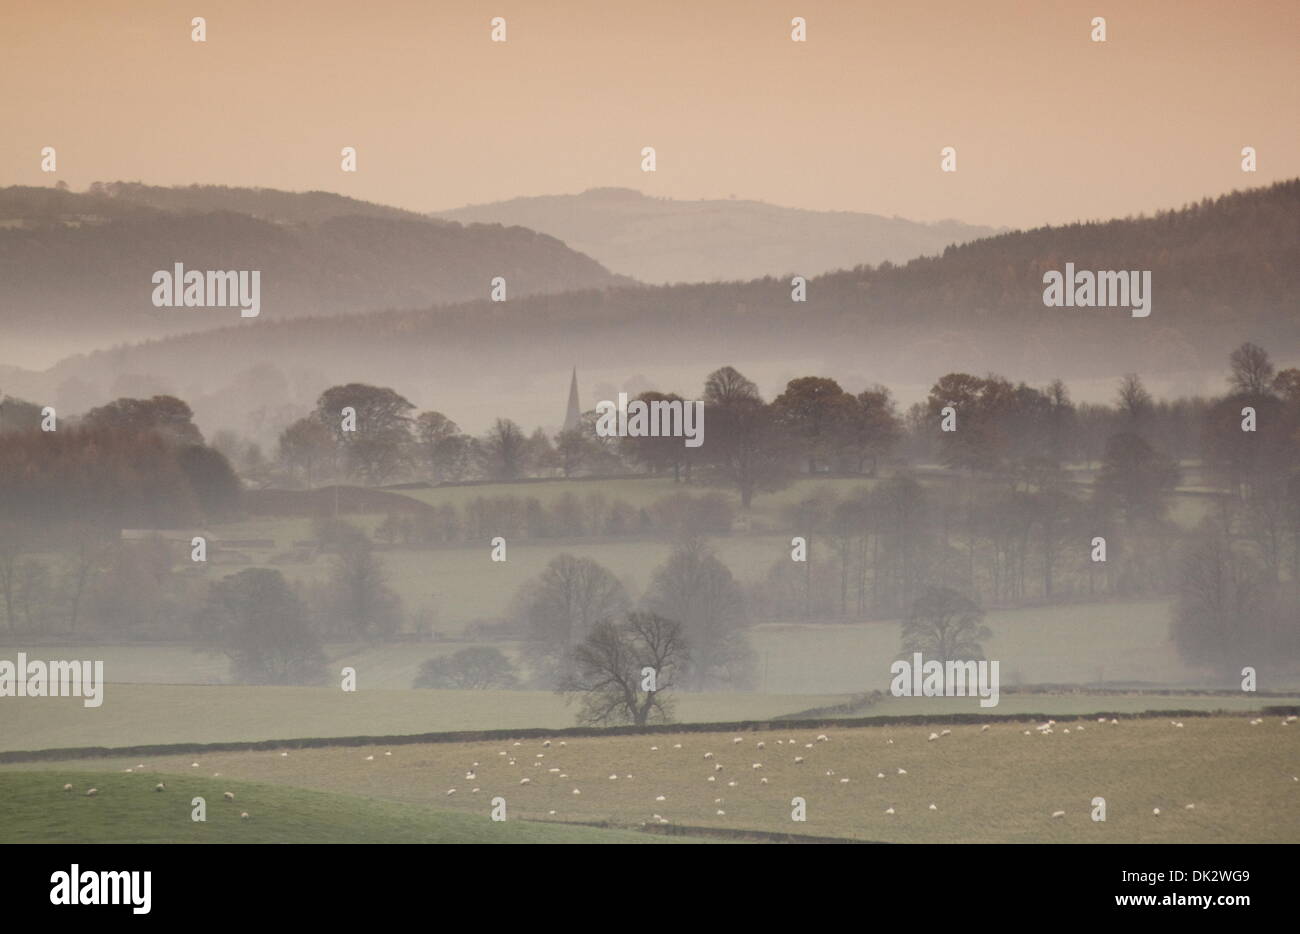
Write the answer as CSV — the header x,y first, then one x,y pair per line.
x,y
968,782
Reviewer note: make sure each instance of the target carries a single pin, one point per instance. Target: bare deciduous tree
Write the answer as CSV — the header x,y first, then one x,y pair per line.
x,y
622,672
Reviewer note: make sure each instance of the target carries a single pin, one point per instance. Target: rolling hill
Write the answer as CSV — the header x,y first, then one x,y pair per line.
x,y
1222,271
663,240
76,268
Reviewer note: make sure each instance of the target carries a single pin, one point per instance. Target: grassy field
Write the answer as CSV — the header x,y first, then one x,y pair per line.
x,y
1065,705
1122,641
453,586
995,785
158,713
35,809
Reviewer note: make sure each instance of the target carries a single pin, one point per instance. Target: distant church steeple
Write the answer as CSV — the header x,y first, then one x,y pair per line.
x,y
573,416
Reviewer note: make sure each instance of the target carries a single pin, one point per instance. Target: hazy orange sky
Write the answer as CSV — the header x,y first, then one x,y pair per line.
x,y
1049,126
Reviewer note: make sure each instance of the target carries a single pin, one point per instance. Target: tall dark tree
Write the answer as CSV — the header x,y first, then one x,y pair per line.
x,y
168,416
872,429
1135,478
376,446
1252,371
442,449
261,626
504,451
622,671
561,606
816,414
743,446
697,590
944,626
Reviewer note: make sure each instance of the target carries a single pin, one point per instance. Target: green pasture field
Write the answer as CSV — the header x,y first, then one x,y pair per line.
x,y
996,785
34,808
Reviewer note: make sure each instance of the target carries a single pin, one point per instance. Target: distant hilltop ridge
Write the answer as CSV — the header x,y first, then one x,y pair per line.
x,y
78,266
666,240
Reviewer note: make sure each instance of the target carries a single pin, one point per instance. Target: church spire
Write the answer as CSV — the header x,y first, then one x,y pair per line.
x,y
573,416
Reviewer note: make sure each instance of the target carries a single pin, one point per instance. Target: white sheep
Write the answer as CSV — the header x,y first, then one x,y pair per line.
x,y
902,771
660,798
1155,811
67,787
577,791
889,810
450,792
160,787
92,792
933,807
243,815
798,759
1056,814
945,732
229,796
933,737
525,781
708,755
821,738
